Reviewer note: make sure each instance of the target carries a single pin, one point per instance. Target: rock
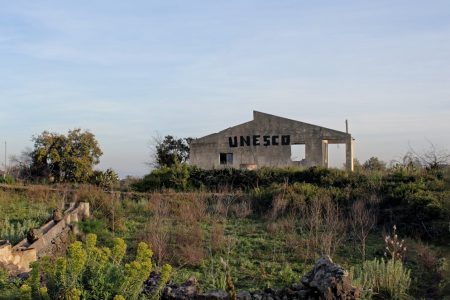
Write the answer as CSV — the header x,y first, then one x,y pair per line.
x,y
244,295
215,295
33,235
329,281
57,215
187,290
325,281
257,297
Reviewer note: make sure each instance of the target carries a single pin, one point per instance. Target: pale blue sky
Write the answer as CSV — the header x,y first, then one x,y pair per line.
x,y
128,69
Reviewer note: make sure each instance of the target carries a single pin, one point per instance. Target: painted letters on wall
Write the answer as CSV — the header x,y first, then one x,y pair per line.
x,y
259,140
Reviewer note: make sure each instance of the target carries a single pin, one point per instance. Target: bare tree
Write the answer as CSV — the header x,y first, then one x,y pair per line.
x,y
334,227
21,165
156,231
323,226
433,158
362,221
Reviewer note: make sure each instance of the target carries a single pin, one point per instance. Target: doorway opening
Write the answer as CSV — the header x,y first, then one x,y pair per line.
x,y
336,156
298,152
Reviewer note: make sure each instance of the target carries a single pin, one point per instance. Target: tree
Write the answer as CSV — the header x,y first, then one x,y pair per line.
x,y
171,150
374,164
61,158
21,165
362,221
433,158
105,179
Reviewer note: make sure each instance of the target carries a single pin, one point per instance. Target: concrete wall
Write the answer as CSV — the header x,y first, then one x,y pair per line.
x,y
53,241
270,138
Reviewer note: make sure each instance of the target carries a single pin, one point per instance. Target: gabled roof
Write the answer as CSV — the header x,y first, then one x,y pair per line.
x,y
261,116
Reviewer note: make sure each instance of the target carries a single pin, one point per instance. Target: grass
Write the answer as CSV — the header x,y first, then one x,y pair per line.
x,y
19,214
198,229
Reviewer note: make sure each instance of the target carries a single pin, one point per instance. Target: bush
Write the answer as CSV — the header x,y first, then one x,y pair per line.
x,y
7,179
103,205
9,289
174,177
16,231
383,279
94,273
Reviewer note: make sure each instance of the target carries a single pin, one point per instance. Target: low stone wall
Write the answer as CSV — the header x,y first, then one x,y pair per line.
x,y
16,261
326,280
52,240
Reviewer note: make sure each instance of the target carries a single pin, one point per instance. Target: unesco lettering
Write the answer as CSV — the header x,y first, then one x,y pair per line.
x,y
259,140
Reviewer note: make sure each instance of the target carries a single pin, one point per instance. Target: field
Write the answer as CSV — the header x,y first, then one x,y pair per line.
x,y
270,235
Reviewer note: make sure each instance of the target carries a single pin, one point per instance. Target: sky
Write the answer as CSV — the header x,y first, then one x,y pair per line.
x,y
131,70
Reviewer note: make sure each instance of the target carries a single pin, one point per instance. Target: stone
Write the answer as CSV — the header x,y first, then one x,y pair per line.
x,y
187,290
326,280
33,235
244,295
257,297
215,295
329,281
57,215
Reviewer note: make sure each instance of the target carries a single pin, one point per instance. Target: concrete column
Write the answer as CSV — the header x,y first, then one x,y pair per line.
x,y
325,153
313,152
349,154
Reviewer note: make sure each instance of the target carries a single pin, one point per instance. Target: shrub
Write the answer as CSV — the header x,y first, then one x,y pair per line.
x,y
103,205
385,279
15,232
7,179
9,289
174,177
94,273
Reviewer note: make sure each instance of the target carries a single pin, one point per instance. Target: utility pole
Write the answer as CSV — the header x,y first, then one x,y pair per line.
x,y
346,126
4,173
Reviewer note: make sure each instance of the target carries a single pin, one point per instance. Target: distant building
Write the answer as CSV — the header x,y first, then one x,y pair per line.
x,y
268,140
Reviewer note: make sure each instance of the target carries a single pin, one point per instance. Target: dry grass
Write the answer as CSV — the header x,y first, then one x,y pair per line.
x,y
217,237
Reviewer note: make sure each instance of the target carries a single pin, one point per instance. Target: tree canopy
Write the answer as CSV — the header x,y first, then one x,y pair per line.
x,y
171,150
65,158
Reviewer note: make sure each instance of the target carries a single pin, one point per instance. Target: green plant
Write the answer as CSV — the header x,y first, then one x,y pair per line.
x,y
65,158
25,292
15,232
94,273
395,248
165,276
105,179
385,279
7,179
174,177
287,275
231,289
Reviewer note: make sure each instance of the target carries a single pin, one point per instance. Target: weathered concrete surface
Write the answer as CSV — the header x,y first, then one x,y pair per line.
x,y
325,281
266,141
52,240
18,260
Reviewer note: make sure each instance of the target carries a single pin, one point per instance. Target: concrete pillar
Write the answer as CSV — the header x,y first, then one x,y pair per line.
x,y
325,153
349,154
313,152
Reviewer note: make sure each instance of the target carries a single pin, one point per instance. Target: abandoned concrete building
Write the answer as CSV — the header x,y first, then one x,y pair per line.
x,y
268,140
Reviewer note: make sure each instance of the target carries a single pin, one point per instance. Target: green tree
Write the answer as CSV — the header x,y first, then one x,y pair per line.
x,y
65,158
374,164
171,150
105,179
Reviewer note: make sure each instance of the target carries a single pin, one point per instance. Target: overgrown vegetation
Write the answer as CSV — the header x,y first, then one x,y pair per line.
x,y
21,211
90,272
60,158
270,225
